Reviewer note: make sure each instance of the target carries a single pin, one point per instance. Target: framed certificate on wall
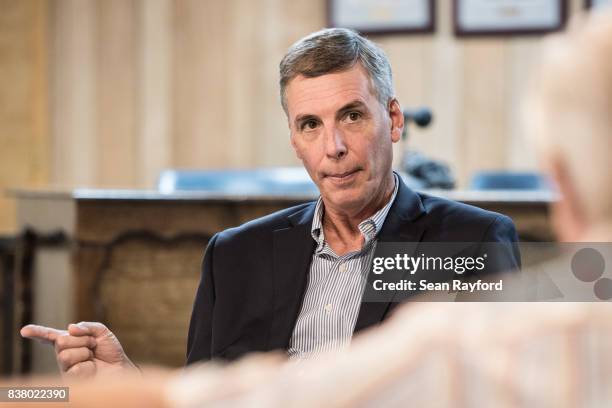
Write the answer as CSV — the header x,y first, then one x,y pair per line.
x,y
383,16
595,4
508,17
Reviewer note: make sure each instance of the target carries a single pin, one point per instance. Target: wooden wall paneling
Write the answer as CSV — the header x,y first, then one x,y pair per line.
x,y
24,135
445,90
154,90
300,18
524,56
409,58
279,22
116,97
272,145
38,145
428,72
483,138
200,126
241,112
73,70
187,61
285,22
575,6
194,84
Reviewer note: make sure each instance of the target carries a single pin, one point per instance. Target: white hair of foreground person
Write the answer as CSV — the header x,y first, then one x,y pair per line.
x,y
568,109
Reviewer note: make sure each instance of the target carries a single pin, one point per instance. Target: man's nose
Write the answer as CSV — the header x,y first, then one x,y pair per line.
x,y
335,146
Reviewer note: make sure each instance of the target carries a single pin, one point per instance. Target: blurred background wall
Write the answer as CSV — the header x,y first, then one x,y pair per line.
x,y
106,93
25,134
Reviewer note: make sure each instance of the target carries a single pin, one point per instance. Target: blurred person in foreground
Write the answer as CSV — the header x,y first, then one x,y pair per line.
x,y
294,280
464,354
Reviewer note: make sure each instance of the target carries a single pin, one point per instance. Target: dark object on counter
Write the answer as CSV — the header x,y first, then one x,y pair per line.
x,y
428,173
432,173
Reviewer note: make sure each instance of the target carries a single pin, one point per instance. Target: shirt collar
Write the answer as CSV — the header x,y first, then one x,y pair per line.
x,y
369,227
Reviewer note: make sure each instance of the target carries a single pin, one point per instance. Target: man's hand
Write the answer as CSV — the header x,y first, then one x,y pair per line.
x,y
84,350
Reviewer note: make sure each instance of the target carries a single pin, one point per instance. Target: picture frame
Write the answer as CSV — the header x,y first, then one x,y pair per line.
x,y
383,16
595,4
508,17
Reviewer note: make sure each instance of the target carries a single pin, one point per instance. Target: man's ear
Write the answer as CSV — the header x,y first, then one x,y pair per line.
x,y
567,214
397,120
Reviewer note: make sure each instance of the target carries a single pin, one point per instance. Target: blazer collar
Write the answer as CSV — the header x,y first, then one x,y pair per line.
x,y
292,250
303,216
400,226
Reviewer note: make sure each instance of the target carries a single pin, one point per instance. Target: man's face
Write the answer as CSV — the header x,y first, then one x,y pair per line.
x,y
344,136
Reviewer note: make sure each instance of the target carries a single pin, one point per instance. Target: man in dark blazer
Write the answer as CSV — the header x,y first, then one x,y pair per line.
x,y
257,290
254,276
294,280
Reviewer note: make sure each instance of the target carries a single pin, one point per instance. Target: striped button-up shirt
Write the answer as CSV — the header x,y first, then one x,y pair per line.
x,y
335,287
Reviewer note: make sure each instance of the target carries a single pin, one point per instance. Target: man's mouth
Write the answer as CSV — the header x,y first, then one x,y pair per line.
x,y
342,177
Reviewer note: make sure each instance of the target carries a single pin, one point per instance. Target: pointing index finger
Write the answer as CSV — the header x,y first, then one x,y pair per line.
x,y
41,333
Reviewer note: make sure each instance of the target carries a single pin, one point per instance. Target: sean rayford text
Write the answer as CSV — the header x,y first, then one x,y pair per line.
x,y
455,285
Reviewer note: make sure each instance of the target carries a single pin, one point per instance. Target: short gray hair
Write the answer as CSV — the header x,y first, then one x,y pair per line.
x,y
336,50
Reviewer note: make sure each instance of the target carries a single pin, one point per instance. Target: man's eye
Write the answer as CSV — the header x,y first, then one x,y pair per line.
x,y
310,124
353,116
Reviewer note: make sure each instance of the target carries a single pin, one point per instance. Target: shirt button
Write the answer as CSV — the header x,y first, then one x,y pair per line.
x,y
342,267
328,307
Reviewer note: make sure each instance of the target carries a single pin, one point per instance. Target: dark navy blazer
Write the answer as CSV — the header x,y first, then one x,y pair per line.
x,y
254,276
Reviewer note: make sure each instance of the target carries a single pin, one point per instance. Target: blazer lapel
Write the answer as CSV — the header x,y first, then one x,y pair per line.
x,y
400,226
292,252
